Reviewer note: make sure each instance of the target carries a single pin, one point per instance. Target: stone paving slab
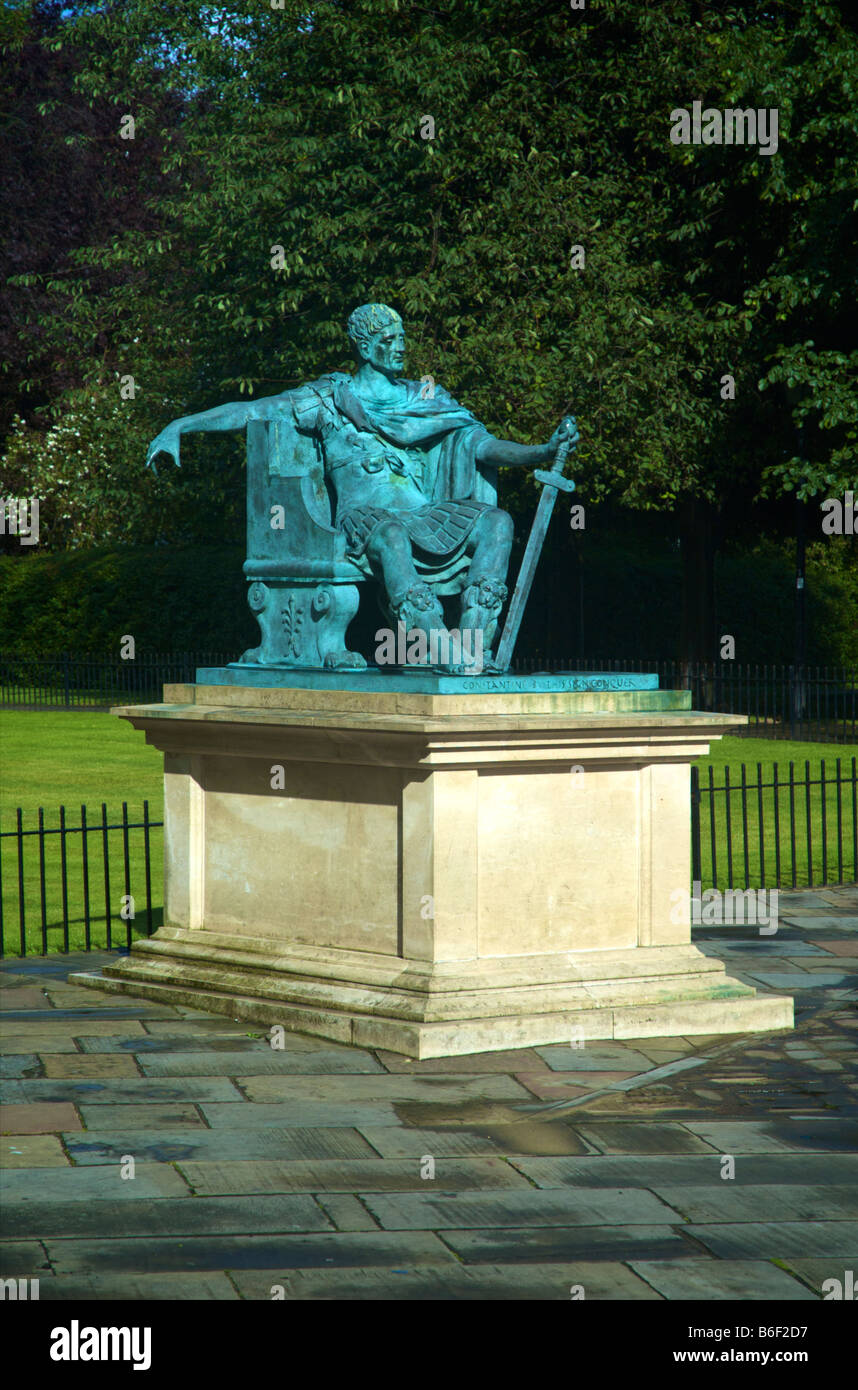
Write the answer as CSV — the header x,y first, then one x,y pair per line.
x,y
16,1066
32,1151
779,1240
346,1213
268,1063
556,1207
668,1050
567,1244
142,1116
764,947
481,1063
594,1057
807,900
133,1288
384,1087
412,1142
517,1282
111,1219
840,894
75,1066
774,980
553,1085
821,967
341,1249
299,1115
352,1175
222,1146
643,1138
786,1134
815,1273
841,922
730,1202
38,1118
63,996
199,1043
109,1091
21,997
80,1018
54,1186
848,962
13,1044
721,1279
697,1170
24,1259
61,1029
59,965
740,965
550,1164
225,1028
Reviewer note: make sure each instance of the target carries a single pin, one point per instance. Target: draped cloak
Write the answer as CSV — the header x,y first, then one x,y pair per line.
x,y
430,440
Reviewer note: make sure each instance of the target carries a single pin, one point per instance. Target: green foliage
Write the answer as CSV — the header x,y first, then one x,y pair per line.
x,y
193,599
551,130
86,470
632,599
86,601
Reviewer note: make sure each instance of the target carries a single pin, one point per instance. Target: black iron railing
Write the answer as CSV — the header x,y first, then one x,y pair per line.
x,y
780,831
67,681
79,886
66,876
793,702
817,703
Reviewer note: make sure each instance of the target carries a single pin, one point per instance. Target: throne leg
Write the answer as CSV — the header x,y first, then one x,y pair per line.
x,y
303,624
332,608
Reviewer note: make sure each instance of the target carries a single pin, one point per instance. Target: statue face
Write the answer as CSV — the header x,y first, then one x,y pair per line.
x,y
386,350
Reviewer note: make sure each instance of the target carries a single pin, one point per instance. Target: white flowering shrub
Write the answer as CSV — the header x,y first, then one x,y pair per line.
x,y
87,469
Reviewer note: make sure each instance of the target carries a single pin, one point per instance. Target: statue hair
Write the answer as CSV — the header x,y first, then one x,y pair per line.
x,y
367,320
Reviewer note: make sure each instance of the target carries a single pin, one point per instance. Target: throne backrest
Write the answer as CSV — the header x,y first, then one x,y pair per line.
x,y
290,530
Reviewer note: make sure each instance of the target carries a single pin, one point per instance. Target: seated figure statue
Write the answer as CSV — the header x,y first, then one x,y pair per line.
x,y
413,475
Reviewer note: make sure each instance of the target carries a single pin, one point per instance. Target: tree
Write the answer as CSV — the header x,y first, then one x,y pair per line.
x,y
458,163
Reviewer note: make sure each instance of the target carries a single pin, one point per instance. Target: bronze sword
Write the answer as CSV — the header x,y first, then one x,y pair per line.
x,y
552,479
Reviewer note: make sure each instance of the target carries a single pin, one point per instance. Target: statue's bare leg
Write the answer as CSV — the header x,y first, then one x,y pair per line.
x,y
410,600
489,546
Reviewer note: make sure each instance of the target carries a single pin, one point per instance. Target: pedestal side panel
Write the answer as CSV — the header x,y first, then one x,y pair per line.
x,y
184,824
558,861
664,804
312,862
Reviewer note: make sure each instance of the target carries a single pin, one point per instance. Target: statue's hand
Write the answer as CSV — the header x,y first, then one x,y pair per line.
x,y
167,442
567,429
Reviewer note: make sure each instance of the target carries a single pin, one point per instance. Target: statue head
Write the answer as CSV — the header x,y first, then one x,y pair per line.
x,y
377,336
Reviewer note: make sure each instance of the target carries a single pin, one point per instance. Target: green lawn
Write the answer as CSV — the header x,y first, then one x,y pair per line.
x,y
56,757
88,758
784,831
53,758
735,751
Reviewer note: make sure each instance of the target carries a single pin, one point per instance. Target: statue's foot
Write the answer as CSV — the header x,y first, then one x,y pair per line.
x,y
488,667
481,606
344,661
419,611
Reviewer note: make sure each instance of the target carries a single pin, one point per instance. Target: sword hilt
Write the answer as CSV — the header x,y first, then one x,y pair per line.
x,y
554,478
554,474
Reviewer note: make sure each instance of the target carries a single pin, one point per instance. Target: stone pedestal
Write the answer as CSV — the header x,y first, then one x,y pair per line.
x,y
435,874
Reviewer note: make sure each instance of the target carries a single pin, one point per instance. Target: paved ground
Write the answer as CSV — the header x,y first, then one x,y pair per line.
x,y
323,1171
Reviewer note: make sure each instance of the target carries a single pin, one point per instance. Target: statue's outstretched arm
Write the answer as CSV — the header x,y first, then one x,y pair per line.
x,y
505,453
232,416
